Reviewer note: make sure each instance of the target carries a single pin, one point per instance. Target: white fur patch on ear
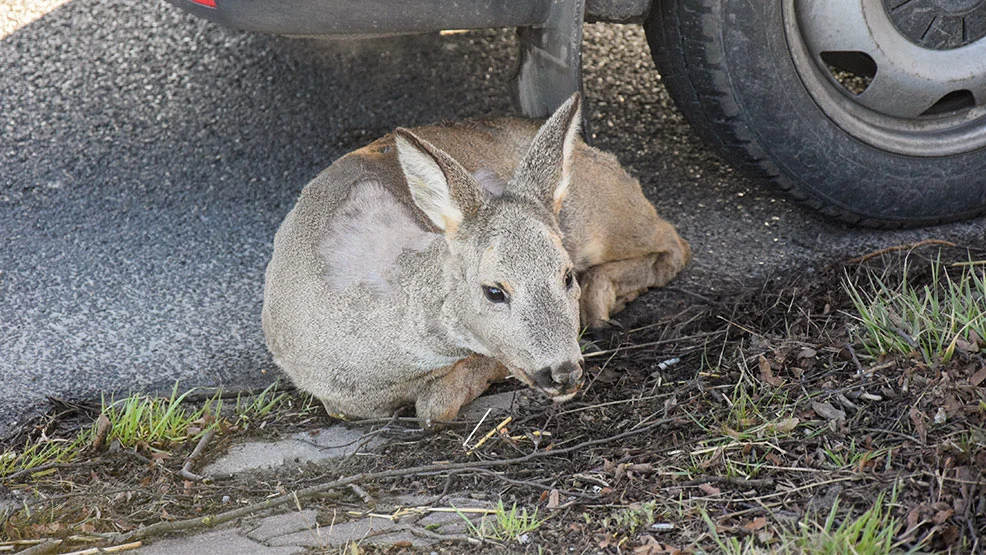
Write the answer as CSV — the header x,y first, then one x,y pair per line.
x,y
568,161
429,185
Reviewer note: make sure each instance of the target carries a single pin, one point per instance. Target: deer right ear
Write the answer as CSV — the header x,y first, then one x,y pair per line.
x,y
545,172
439,185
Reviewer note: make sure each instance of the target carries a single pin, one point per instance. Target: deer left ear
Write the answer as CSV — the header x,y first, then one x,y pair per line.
x,y
439,185
547,168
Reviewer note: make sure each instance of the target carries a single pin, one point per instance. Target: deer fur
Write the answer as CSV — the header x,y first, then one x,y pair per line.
x,y
434,261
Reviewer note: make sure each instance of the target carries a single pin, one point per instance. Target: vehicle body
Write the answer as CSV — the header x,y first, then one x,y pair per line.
x,y
870,111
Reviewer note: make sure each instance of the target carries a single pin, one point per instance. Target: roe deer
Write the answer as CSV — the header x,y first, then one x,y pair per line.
x,y
423,267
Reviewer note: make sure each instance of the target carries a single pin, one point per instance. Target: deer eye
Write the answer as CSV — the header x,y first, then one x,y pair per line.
x,y
494,294
569,279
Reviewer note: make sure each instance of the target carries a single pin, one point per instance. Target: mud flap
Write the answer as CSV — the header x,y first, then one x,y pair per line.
x,y
550,63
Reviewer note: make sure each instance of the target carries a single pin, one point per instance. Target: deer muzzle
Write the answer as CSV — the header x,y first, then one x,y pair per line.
x,y
560,381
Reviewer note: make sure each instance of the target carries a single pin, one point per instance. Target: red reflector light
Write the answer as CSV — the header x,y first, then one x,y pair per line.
x,y
206,3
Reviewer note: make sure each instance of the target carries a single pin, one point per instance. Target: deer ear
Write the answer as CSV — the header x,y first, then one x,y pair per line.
x,y
545,172
439,185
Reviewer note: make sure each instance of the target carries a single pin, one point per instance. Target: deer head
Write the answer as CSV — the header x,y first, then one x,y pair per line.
x,y
510,290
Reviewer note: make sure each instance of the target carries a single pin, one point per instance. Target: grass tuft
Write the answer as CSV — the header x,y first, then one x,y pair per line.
x,y
872,533
927,320
158,422
153,422
507,524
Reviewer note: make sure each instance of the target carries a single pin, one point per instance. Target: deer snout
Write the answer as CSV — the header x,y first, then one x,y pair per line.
x,y
560,380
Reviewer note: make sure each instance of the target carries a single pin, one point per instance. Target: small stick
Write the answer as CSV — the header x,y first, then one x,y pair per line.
x,y
855,359
465,444
908,246
498,427
366,497
113,549
757,483
49,546
418,531
653,344
103,427
186,470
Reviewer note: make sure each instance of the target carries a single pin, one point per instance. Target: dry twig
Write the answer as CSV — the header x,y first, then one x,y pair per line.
x,y
906,247
186,470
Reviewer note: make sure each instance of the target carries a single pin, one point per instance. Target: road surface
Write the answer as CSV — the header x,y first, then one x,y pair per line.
x,y
146,159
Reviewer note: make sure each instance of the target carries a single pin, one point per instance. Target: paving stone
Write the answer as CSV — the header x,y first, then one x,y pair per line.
x,y
336,534
331,442
282,525
501,403
215,542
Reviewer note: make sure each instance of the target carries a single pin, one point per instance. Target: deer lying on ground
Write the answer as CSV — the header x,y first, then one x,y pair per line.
x,y
435,261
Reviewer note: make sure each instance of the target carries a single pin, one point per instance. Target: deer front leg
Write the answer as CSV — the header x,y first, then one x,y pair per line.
x,y
608,287
465,380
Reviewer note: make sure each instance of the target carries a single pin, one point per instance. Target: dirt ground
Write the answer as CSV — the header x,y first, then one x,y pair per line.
x,y
750,418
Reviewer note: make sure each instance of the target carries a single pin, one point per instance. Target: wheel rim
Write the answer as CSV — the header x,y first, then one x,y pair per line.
x,y
881,77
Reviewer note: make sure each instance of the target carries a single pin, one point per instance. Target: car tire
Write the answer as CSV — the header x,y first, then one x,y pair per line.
x,y
745,77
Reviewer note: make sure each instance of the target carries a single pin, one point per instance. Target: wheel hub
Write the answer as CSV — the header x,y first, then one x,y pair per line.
x,y
865,65
939,24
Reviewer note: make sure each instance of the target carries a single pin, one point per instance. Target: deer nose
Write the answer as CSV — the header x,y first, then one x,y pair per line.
x,y
563,378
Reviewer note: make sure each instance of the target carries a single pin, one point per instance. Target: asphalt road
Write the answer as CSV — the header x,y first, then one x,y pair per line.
x,y
147,157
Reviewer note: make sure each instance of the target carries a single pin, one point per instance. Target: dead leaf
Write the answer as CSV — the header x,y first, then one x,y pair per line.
x,y
553,499
827,411
650,546
103,427
709,489
767,374
942,516
787,425
979,377
949,535
966,346
808,352
609,376
756,524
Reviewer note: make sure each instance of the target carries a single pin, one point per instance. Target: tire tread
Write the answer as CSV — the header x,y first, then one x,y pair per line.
x,y
684,38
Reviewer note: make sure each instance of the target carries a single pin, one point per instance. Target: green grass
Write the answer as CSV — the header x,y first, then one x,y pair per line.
x,y
158,422
155,422
923,320
42,452
631,520
257,407
870,533
507,524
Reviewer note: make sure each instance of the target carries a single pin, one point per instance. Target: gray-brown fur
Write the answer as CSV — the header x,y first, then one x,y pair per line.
x,y
370,320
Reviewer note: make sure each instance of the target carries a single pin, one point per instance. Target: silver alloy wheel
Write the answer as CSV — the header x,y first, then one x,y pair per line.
x,y
900,96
